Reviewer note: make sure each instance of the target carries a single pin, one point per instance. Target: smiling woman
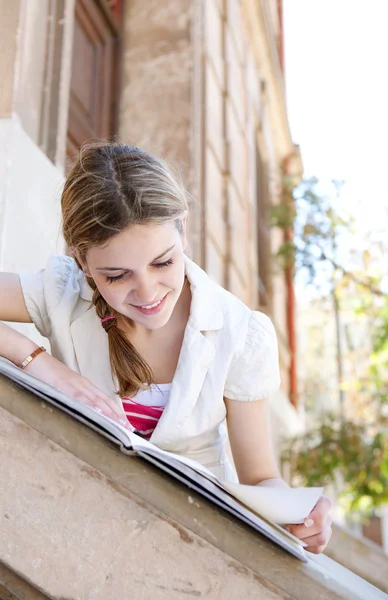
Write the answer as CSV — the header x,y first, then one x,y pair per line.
x,y
132,252
140,332
146,280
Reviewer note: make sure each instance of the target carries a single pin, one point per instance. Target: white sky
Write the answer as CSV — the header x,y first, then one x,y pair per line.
x,y
336,60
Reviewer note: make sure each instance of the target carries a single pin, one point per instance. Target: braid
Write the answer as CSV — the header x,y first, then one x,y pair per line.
x,y
127,366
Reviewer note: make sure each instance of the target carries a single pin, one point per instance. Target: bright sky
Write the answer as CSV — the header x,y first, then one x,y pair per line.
x,y
336,55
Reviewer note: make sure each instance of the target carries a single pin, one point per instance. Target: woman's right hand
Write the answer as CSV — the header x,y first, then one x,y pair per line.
x,y
50,370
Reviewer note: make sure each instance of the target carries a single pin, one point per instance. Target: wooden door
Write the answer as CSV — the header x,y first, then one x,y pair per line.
x,y
95,70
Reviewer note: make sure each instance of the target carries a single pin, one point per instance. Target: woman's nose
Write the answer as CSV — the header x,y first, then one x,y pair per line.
x,y
144,292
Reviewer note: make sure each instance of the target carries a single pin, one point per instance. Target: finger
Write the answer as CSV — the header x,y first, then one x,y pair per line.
x,y
302,532
317,550
118,410
99,395
81,396
319,512
99,399
89,398
86,398
314,520
318,541
106,410
121,420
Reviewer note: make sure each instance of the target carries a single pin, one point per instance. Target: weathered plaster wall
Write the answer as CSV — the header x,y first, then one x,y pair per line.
x,y
155,104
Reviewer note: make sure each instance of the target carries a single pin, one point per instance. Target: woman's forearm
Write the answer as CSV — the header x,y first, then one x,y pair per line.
x,y
14,345
275,482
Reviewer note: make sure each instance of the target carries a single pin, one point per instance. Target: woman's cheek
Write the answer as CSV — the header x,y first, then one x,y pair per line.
x,y
110,296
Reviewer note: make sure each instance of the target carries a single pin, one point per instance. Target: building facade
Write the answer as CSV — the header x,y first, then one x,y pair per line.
x,y
199,82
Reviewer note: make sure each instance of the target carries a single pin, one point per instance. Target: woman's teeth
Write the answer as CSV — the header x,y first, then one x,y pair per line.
x,y
149,306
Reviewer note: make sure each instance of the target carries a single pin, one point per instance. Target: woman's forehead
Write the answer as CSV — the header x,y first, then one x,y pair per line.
x,y
134,244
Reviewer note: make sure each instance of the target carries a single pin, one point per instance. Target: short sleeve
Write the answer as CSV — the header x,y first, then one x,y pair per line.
x,y
44,290
254,372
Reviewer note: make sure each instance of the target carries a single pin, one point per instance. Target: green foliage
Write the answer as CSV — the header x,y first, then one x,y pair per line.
x,y
283,215
346,456
349,453
380,335
309,212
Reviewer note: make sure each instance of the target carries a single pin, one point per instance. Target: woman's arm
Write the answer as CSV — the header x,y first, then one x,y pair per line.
x,y
251,442
254,457
16,347
13,345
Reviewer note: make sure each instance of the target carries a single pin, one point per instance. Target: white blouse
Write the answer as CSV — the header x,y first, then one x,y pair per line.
x,y
228,351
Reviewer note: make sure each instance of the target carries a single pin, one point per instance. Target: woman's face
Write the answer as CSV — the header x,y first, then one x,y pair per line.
x,y
140,272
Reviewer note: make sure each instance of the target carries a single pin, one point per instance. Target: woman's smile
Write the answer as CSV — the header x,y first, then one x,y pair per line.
x,y
152,309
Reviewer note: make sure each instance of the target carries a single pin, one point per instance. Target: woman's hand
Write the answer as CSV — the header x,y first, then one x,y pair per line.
x,y
316,529
50,370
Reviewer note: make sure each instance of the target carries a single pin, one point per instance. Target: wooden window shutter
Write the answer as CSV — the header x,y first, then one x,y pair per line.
x,y
94,81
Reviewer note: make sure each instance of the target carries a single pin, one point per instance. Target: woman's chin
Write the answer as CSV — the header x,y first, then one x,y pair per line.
x,y
153,319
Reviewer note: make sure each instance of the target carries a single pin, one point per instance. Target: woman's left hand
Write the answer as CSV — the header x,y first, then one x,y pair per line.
x,y
316,529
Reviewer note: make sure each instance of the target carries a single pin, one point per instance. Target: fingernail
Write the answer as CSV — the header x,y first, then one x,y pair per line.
x,y
309,522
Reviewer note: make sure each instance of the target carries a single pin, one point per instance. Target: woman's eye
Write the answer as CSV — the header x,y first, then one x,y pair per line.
x,y
113,279
167,263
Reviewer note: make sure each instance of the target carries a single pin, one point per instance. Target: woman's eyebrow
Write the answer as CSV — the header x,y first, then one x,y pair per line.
x,y
163,253
125,269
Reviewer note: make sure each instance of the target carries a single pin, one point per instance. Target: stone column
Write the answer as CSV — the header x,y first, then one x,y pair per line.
x,y
158,87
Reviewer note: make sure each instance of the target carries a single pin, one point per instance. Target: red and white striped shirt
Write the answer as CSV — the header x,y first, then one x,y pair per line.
x,y
144,411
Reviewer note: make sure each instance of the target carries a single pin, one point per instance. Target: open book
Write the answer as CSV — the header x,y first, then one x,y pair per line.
x,y
262,508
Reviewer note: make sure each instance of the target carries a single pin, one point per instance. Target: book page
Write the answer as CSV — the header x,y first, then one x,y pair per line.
x,y
223,499
284,506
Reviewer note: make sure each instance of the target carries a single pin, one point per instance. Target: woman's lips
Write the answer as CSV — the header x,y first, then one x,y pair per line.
x,y
152,311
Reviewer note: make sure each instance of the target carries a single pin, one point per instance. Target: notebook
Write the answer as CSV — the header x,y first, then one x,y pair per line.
x,y
264,509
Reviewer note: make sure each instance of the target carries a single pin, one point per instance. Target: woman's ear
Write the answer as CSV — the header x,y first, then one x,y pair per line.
x,y
81,263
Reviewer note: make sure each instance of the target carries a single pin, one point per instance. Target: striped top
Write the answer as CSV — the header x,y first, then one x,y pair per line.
x,y
144,411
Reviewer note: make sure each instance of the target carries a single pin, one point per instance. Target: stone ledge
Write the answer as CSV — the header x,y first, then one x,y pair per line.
x,y
73,499
360,556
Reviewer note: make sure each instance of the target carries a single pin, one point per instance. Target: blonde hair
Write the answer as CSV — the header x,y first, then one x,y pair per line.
x,y
110,187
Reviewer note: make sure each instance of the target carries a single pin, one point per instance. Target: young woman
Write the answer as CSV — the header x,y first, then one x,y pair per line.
x,y
139,332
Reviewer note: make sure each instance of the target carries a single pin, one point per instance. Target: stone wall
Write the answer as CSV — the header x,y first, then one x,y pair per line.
x,y
236,94
83,520
30,184
157,89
